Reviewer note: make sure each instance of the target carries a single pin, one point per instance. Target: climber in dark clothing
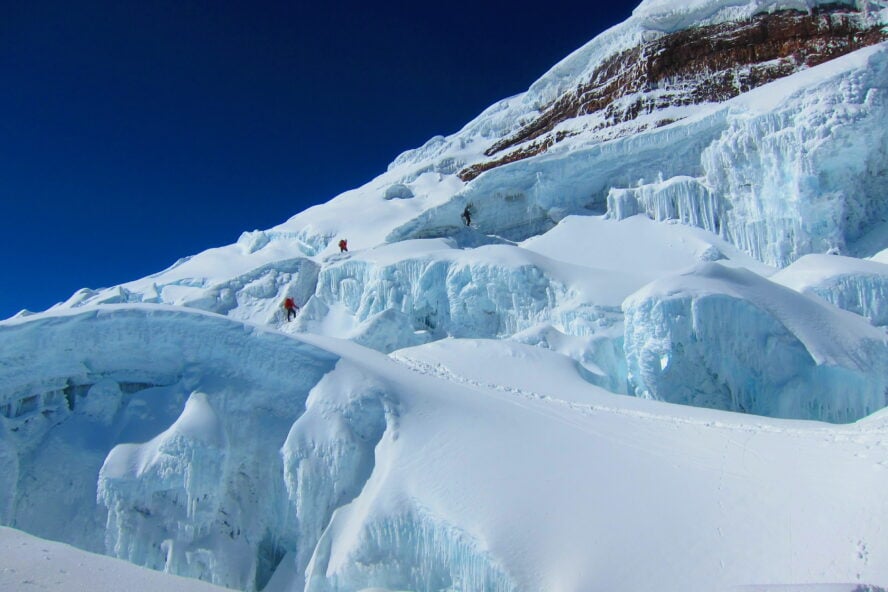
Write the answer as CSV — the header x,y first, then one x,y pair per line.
x,y
343,246
291,307
467,216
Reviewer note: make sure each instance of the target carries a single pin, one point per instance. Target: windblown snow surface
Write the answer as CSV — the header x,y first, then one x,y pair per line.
x,y
656,361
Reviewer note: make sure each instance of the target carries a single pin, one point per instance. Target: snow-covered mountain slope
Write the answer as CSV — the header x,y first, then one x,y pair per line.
x,y
791,168
430,471
680,211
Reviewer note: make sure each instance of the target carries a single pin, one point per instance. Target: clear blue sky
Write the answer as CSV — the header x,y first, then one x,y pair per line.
x,y
136,132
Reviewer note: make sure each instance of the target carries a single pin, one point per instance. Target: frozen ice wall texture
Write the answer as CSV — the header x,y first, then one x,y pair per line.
x,y
729,339
173,420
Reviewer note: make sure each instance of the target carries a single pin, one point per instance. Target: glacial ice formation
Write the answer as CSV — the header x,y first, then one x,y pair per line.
x,y
203,496
791,168
299,459
428,286
251,458
9,467
329,452
409,551
782,182
856,285
163,495
729,339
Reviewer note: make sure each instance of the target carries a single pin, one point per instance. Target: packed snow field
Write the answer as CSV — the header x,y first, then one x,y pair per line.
x,y
653,362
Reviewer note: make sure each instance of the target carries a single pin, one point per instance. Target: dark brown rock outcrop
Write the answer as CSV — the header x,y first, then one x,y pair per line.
x,y
698,65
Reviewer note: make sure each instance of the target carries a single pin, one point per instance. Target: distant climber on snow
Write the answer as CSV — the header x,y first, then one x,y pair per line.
x,y
343,246
291,307
467,216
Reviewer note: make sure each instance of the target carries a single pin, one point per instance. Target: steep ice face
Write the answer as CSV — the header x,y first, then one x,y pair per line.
x,y
9,465
164,494
782,182
684,199
437,290
807,177
329,452
213,401
525,198
437,556
790,168
856,285
728,339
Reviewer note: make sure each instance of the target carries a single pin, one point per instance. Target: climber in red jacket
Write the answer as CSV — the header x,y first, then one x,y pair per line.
x,y
343,246
291,307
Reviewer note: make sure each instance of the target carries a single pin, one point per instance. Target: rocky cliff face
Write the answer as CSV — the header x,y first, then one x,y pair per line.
x,y
703,64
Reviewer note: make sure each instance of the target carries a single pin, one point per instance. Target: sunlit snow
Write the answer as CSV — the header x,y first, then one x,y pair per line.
x,y
654,361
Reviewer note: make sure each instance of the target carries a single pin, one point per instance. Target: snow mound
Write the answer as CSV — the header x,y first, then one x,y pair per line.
x,y
30,563
508,366
567,458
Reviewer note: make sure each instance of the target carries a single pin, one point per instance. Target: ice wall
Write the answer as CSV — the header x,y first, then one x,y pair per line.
x,y
164,494
193,444
203,496
855,285
488,292
728,339
807,177
408,551
784,178
329,452
9,468
685,199
525,198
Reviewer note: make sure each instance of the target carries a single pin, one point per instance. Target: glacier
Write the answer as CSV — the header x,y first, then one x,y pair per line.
x,y
801,178
349,479
657,359
195,384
